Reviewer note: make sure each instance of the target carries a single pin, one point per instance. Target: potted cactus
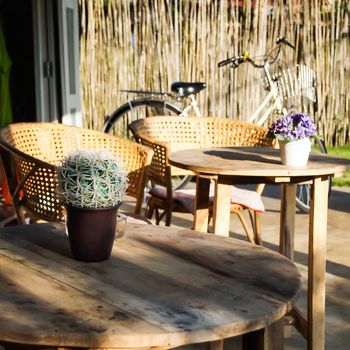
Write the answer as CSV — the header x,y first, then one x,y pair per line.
x,y
91,186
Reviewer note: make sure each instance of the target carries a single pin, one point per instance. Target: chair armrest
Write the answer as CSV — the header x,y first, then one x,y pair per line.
x,y
35,186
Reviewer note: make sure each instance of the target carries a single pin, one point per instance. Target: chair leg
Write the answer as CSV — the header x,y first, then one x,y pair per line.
x,y
255,221
257,229
153,208
20,215
4,182
210,216
168,215
149,210
158,216
248,232
161,216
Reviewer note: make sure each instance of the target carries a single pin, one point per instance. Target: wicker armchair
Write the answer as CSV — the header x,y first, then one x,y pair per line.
x,y
169,134
37,149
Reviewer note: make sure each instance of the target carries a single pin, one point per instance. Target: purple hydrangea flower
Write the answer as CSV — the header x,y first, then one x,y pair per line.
x,y
293,127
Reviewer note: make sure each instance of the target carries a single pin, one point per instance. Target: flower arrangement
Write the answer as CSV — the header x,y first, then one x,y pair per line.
x,y
91,179
293,127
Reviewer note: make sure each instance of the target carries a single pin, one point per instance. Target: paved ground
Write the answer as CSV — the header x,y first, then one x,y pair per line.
x,y
338,261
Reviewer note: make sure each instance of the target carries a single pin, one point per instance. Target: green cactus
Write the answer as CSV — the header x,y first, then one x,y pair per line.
x,y
91,179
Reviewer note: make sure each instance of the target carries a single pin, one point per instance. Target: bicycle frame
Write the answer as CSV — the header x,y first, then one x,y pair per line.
x,y
185,110
273,95
193,105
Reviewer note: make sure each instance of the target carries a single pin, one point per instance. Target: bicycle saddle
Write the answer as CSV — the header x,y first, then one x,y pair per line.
x,y
186,89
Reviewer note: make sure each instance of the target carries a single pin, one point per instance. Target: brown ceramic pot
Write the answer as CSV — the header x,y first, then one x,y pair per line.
x,y
91,232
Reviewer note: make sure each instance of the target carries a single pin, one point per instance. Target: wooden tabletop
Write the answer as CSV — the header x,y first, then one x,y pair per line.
x,y
239,165
254,161
162,287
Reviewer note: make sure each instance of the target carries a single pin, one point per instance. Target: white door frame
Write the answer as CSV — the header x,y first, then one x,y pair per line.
x,y
68,28
46,66
44,61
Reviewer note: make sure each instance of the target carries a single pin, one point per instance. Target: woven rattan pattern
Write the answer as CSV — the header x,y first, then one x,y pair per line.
x,y
170,134
38,148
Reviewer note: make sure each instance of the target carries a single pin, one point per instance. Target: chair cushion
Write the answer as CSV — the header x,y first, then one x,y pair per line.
x,y
247,198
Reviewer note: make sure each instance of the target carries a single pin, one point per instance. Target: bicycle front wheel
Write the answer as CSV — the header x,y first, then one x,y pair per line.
x,y
117,123
303,192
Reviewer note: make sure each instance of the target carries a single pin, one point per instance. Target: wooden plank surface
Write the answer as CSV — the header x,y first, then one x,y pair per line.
x,y
161,288
254,162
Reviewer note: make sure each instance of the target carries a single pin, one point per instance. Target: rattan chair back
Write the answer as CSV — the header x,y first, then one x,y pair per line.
x,y
202,132
170,134
37,150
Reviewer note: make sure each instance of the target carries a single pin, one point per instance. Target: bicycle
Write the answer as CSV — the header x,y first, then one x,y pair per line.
x,y
284,88
287,86
152,103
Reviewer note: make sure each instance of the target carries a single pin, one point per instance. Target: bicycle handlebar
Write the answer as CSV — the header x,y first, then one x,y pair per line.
x,y
284,41
237,60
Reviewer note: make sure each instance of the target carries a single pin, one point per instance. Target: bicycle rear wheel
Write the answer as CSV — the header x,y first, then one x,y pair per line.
x,y
117,123
303,192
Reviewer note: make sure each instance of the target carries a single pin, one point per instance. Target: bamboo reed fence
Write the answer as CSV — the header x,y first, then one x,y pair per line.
x,y
135,44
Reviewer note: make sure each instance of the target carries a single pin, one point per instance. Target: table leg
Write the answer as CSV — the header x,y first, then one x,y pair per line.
x,y
216,345
253,340
317,264
274,336
201,212
221,210
287,220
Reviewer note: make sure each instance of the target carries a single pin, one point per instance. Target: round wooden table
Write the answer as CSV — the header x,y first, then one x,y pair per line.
x,y
254,165
161,288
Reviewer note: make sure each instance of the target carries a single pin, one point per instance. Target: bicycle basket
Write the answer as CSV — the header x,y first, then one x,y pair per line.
x,y
298,81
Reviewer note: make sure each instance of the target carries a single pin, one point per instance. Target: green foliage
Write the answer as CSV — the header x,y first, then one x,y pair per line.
x,y
343,152
91,179
342,181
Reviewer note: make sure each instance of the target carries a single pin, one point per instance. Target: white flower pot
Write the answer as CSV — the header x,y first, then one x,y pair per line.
x,y
295,153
